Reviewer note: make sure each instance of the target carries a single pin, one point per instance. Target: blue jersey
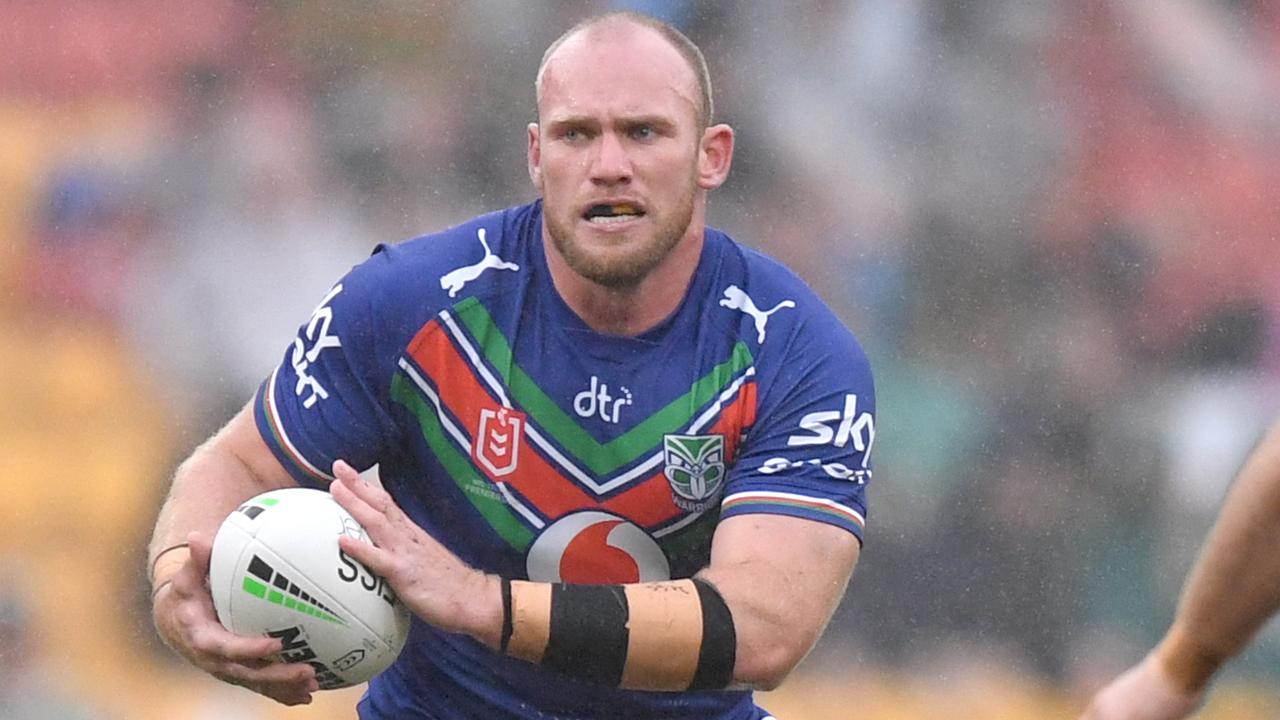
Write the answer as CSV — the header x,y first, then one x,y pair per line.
x,y
536,448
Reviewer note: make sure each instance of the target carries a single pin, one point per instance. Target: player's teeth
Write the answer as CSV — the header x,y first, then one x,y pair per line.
x,y
609,219
607,209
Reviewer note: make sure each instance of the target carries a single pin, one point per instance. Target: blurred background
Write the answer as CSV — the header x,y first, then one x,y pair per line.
x,y
1052,224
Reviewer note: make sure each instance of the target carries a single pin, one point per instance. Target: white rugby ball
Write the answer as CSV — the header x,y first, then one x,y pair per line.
x,y
277,570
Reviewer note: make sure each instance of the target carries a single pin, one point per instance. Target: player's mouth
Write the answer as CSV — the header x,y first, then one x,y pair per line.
x,y
614,213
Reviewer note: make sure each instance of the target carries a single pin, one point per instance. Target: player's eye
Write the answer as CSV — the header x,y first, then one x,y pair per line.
x,y
642,132
573,134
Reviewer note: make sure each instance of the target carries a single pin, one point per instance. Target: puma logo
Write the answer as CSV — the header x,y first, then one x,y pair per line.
x,y
736,299
455,279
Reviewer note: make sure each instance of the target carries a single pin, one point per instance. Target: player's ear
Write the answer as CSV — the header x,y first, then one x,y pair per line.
x,y
715,155
535,156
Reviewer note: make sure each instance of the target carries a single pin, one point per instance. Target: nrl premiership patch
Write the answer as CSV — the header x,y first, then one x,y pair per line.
x,y
694,465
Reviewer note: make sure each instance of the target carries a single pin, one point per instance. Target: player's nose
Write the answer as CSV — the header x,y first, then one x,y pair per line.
x,y
611,163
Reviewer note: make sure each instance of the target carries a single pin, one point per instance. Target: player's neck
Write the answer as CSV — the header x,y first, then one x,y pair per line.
x,y
632,310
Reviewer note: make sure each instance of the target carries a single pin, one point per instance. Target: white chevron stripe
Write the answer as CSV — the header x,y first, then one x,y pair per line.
x,y
520,507
710,414
476,362
453,430
537,438
461,439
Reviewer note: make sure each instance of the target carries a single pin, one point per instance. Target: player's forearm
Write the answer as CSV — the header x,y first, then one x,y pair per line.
x,y
745,621
780,611
672,635
1235,585
783,578
204,490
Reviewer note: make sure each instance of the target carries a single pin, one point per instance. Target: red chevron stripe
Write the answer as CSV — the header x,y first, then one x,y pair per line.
x,y
648,502
463,394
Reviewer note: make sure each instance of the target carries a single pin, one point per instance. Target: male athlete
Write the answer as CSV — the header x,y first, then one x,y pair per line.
x,y
623,456
1232,590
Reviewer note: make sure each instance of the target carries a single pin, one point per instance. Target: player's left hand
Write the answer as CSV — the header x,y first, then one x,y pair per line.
x,y
184,616
1144,692
429,579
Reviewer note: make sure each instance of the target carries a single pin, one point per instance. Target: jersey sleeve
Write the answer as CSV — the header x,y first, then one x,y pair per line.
x,y
808,454
325,401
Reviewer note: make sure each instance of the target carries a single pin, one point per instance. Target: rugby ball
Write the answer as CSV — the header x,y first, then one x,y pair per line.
x,y
277,570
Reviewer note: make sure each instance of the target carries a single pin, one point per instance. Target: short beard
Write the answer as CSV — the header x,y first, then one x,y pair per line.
x,y
628,271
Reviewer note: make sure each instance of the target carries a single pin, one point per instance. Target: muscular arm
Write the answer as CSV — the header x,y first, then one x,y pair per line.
x,y
1235,585
232,466
780,577
1232,590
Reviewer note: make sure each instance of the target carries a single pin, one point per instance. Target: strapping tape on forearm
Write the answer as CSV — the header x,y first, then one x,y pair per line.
x,y
675,635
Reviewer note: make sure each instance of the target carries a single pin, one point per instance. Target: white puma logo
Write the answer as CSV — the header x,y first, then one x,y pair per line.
x,y
736,299
455,279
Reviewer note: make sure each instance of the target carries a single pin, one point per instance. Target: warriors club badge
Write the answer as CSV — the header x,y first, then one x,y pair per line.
x,y
694,465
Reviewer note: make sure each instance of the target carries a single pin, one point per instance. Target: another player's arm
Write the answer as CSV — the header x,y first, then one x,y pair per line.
x,y
746,620
1232,590
232,466
1235,584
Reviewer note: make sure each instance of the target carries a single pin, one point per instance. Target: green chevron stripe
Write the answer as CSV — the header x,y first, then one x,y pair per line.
x,y
601,458
478,491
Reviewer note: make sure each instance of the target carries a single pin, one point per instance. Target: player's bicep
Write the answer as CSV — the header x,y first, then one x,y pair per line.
x,y
240,440
782,541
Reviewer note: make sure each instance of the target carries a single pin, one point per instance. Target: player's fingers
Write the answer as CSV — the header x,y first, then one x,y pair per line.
x,y
342,470
353,496
376,497
363,512
217,642
377,559
288,688
288,697
244,649
301,675
201,549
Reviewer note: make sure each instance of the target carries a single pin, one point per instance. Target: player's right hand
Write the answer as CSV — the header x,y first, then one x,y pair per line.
x,y
183,613
1144,692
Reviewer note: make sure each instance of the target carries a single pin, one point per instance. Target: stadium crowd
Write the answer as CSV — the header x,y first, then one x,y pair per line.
x,y
1055,227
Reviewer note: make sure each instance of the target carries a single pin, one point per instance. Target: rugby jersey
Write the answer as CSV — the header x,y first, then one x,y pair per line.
x,y
537,448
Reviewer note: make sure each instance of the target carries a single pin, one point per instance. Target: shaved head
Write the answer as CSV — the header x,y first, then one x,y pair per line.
x,y
682,44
